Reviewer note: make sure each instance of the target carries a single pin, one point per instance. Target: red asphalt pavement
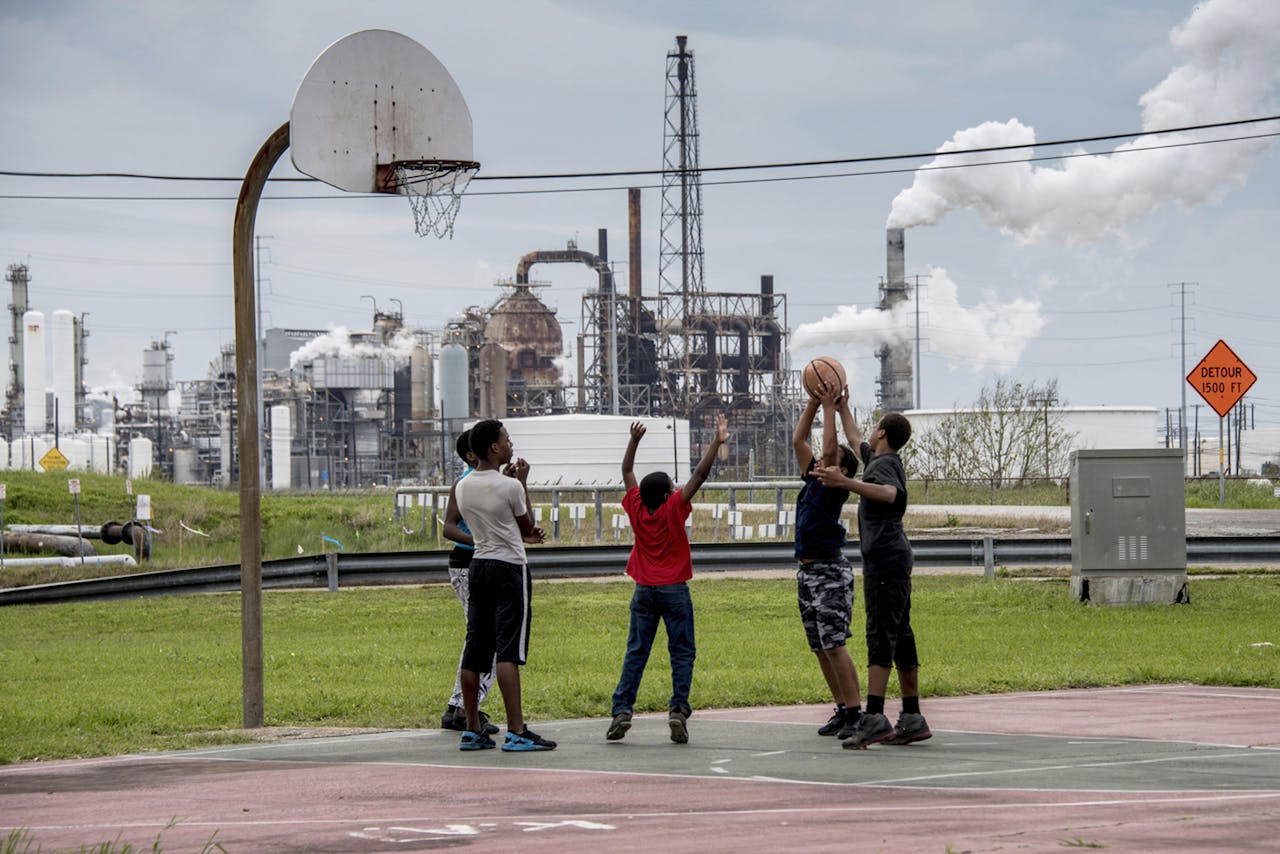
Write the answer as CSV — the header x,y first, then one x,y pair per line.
x,y
1155,768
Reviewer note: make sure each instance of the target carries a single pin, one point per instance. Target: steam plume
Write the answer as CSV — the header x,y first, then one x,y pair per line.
x,y
1231,72
989,334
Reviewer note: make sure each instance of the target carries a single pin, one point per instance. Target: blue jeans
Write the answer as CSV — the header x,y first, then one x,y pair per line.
x,y
671,604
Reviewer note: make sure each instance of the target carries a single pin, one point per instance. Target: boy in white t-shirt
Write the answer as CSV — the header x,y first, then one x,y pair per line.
x,y
495,503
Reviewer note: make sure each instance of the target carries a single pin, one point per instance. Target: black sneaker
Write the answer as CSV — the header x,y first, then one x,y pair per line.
x,y
851,718
836,722
618,728
871,729
911,727
678,721
526,741
456,720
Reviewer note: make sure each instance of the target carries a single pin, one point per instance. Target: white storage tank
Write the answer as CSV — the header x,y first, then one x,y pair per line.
x,y
186,467
140,457
455,394
588,449
62,363
76,450
100,453
5,463
33,379
281,443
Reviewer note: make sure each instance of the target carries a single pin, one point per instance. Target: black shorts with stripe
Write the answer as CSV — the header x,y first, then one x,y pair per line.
x,y
497,614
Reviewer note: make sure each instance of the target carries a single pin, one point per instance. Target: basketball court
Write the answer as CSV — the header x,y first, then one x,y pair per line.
x,y
1144,768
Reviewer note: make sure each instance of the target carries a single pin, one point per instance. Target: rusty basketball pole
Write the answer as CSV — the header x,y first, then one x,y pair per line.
x,y
375,113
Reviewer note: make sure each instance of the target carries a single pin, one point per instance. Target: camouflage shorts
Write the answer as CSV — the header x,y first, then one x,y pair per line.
x,y
825,589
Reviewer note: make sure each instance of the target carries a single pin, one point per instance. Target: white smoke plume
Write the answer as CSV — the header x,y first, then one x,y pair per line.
x,y
337,344
1232,68
990,334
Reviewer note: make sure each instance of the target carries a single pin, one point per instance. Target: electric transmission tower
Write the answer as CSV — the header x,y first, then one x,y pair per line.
x,y
680,253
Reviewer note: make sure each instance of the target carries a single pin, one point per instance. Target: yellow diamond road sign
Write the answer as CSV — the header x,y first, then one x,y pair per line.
x,y
55,460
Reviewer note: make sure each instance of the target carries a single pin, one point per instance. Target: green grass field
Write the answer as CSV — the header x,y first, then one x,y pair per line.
x,y
365,521
103,678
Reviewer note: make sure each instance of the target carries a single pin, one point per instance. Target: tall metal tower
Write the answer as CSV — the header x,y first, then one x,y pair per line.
x,y
680,253
19,279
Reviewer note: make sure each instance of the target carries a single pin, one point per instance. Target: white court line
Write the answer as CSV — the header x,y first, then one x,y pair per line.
x,y
1187,692
1067,767
876,809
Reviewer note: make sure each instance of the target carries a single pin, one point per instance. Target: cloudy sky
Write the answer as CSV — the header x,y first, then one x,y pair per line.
x,y
1034,270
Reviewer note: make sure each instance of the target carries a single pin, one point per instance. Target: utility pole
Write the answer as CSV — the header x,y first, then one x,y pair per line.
x,y
1182,384
919,402
1048,400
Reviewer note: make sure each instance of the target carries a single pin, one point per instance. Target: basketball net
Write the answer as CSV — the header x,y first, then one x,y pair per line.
x,y
435,191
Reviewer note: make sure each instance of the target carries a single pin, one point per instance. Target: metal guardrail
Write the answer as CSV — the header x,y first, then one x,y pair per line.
x,y
424,567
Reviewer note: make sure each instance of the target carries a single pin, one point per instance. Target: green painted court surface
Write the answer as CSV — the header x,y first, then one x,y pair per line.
x,y
792,752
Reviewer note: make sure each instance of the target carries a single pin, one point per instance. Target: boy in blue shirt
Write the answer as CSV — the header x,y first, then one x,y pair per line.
x,y
824,580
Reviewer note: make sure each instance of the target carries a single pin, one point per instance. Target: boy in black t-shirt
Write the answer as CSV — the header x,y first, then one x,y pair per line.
x,y
824,580
886,583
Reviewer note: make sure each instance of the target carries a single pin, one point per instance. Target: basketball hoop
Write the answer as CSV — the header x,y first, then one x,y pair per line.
x,y
434,188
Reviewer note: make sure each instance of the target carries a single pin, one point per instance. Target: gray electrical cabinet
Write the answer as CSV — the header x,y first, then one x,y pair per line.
x,y
1128,526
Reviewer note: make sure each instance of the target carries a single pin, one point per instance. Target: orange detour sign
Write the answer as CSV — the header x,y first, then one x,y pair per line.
x,y
1221,378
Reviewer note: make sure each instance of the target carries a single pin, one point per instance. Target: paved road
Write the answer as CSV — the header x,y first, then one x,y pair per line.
x,y
1200,522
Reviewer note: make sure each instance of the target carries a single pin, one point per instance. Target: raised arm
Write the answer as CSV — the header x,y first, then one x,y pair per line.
x,y
699,474
800,438
830,444
452,516
851,432
629,458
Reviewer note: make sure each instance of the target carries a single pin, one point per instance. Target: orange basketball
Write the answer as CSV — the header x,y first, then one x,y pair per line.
x,y
823,369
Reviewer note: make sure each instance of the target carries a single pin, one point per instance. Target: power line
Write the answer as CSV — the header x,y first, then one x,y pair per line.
x,y
615,188
794,164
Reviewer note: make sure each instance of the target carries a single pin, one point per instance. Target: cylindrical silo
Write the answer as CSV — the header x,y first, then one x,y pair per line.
x,y
62,362
33,382
281,443
186,467
76,451
224,450
157,376
140,457
454,388
422,384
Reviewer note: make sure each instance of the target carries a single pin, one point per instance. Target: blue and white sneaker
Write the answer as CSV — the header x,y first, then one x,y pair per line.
x,y
476,741
525,741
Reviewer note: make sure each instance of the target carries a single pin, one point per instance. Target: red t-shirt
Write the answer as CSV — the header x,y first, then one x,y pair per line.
x,y
660,554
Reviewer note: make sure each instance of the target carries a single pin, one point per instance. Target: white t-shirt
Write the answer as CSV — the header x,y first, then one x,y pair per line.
x,y
490,502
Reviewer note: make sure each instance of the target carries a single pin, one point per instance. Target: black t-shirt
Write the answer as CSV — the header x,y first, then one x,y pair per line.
x,y
819,533
881,538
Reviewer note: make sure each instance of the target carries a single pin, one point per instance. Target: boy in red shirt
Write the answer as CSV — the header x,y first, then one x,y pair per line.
x,y
661,564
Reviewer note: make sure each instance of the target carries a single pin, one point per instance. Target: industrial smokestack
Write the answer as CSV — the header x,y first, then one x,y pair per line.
x,y
602,241
895,358
895,252
766,295
633,239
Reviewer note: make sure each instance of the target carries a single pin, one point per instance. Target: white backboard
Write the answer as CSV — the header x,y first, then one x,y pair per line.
x,y
374,98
